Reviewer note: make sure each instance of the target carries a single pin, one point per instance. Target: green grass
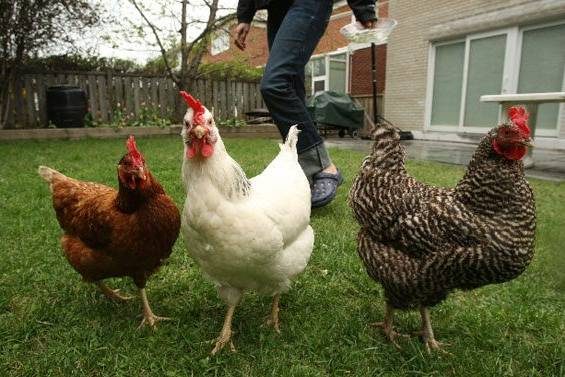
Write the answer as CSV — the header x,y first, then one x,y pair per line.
x,y
52,324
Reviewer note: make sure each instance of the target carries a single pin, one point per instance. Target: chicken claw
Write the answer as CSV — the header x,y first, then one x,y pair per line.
x,y
273,319
225,334
148,317
432,344
222,340
387,327
427,333
390,333
112,294
151,320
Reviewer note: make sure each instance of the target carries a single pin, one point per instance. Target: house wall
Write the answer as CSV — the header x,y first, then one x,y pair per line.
x,y
332,38
422,22
255,54
360,71
360,82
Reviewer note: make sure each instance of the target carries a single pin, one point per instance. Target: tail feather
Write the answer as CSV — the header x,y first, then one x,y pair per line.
x,y
291,139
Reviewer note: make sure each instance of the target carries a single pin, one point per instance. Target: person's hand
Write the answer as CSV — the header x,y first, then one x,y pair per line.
x,y
369,24
241,34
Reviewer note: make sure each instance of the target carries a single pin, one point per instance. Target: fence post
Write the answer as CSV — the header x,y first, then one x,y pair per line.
x,y
110,93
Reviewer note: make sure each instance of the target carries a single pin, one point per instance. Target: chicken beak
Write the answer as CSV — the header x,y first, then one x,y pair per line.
x,y
199,132
140,173
528,143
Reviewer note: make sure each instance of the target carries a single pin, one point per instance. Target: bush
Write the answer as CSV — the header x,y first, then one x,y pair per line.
x,y
235,70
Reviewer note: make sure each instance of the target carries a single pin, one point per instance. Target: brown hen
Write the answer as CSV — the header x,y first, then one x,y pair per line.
x,y
114,233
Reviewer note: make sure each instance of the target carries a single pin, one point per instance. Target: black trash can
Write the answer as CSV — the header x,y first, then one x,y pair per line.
x,y
66,106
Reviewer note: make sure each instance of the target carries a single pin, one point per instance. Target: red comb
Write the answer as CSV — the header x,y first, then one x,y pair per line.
x,y
519,116
192,102
133,151
196,106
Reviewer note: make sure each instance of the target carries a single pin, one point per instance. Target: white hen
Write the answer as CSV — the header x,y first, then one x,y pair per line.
x,y
245,234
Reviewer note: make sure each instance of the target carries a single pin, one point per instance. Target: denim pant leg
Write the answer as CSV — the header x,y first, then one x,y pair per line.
x,y
282,85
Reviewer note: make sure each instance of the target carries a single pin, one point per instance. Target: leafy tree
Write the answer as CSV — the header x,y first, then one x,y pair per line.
x,y
29,27
191,50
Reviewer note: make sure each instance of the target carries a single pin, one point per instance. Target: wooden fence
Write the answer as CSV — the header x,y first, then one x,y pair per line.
x,y
367,103
132,95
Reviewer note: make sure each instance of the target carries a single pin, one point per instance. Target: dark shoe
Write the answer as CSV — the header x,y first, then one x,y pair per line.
x,y
324,188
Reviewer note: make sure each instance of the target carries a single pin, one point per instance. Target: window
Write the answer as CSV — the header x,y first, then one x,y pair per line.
x,y
328,73
448,79
541,69
337,73
514,60
318,75
484,76
220,42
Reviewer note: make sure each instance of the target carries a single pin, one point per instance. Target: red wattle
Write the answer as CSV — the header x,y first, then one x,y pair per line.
x,y
201,147
192,150
207,149
516,153
511,153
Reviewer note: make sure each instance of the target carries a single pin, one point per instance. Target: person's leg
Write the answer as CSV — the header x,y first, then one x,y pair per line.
x,y
292,42
275,15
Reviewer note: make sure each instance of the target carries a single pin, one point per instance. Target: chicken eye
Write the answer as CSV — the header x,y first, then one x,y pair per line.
x,y
187,123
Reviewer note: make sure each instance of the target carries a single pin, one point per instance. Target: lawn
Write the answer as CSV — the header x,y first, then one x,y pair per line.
x,y
52,324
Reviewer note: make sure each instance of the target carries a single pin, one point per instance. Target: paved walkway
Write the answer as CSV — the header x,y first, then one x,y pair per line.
x,y
549,164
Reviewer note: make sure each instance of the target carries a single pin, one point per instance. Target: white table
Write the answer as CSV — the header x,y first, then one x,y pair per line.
x,y
531,102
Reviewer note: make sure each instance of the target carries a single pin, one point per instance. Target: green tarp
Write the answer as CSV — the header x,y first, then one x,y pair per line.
x,y
335,109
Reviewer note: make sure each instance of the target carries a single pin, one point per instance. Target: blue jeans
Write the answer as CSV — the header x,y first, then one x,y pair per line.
x,y
293,31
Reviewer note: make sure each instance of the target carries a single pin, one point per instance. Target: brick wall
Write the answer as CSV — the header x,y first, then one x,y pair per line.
x,y
255,54
360,76
408,46
332,38
360,71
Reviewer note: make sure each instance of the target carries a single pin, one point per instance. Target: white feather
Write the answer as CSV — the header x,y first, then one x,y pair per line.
x,y
247,234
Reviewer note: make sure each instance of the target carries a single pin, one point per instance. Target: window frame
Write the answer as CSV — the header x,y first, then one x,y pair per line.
x,y
560,112
510,77
326,77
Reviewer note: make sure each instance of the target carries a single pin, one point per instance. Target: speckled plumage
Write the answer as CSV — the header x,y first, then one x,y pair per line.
x,y
421,242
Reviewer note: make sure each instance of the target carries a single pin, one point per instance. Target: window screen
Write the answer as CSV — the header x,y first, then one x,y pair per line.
x,y
543,51
448,78
486,68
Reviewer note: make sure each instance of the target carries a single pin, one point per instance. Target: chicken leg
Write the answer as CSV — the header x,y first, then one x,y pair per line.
x,y
112,294
225,334
273,319
427,333
387,327
148,317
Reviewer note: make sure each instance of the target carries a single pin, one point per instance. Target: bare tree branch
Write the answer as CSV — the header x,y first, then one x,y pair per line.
x,y
158,39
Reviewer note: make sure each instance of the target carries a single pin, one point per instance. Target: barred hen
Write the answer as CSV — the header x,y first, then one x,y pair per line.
x,y
421,242
113,233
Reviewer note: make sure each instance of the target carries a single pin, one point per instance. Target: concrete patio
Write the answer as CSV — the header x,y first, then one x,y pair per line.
x,y
549,164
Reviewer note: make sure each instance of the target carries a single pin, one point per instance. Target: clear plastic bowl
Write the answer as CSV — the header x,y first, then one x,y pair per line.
x,y
356,33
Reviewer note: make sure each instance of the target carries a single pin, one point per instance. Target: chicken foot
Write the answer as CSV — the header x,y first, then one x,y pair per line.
x,y
225,334
273,319
427,332
148,317
388,328
112,294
